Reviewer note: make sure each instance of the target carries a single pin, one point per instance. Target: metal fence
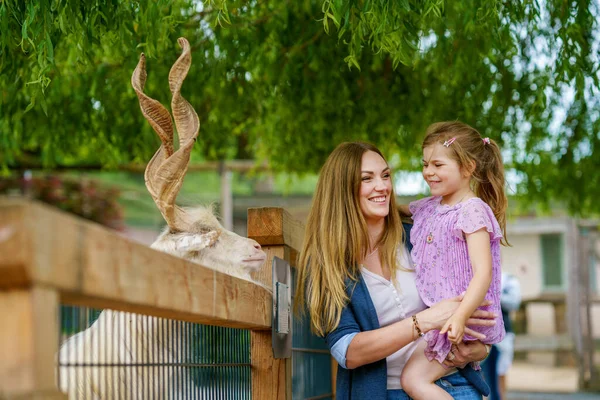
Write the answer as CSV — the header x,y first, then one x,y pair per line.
x,y
120,355
311,365
311,361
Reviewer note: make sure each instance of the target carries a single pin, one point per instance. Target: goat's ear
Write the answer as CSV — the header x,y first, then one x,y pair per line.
x,y
196,242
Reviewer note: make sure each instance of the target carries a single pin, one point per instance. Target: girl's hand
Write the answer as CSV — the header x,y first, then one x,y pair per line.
x,y
455,327
437,315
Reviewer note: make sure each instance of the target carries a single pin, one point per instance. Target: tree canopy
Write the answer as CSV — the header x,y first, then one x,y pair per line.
x,y
286,81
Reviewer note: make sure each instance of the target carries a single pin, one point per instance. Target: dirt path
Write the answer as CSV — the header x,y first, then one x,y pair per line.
x,y
537,382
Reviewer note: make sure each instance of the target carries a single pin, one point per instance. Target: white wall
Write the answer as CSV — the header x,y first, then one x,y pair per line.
x,y
524,260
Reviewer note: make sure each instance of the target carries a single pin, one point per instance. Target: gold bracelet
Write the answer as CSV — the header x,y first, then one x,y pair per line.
x,y
416,325
488,348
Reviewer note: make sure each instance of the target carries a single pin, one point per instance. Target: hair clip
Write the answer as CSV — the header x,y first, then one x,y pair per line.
x,y
486,140
448,142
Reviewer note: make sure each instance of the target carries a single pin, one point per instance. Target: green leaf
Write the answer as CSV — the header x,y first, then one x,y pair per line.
x,y
49,48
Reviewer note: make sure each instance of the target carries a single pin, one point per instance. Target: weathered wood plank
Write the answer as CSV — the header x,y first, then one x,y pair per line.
x,y
268,374
265,274
275,226
543,343
27,367
93,266
271,378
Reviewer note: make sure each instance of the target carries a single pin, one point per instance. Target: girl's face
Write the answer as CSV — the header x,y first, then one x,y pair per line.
x,y
375,187
442,173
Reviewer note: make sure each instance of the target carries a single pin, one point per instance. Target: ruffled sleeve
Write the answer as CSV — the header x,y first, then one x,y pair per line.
x,y
417,205
474,215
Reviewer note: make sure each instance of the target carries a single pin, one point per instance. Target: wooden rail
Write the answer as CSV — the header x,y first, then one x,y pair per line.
x,y
557,342
92,266
561,342
48,257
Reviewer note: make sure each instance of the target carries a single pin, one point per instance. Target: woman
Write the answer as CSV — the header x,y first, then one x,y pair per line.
x,y
358,286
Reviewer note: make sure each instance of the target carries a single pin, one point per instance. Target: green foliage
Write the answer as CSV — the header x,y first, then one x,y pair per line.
x,y
393,28
56,71
286,81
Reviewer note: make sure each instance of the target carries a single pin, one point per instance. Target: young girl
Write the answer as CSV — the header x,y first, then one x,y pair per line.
x,y
456,241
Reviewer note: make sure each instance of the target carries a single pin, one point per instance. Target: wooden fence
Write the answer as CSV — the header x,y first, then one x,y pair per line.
x,y
572,339
48,257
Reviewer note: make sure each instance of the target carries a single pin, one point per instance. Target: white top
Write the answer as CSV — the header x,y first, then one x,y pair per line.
x,y
393,303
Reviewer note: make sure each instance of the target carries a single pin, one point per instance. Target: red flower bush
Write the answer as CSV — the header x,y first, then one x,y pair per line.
x,y
82,197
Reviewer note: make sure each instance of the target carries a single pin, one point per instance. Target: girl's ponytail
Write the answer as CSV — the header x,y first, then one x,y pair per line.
x,y
490,182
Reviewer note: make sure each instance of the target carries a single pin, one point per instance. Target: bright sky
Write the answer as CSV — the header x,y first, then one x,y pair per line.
x,y
409,183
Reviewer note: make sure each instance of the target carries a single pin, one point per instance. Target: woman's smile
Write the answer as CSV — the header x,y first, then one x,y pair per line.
x,y
379,199
375,187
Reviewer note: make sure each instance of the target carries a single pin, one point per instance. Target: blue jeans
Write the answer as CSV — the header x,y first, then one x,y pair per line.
x,y
456,385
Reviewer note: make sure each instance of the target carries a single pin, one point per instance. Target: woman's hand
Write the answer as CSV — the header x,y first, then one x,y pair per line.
x,y
466,352
436,316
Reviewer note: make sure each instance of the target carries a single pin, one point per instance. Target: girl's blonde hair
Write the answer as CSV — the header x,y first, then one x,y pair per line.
x,y
481,157
336,238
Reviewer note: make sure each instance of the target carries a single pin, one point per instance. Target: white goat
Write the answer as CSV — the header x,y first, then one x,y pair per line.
x,y
207,243
117,338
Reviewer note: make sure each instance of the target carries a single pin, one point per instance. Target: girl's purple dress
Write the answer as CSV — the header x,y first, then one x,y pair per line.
x,y
442,261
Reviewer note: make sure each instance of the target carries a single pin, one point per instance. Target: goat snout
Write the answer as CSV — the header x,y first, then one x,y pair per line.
x,y
256,256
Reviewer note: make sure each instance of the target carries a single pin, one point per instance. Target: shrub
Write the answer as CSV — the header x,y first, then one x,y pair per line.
x,y
82,197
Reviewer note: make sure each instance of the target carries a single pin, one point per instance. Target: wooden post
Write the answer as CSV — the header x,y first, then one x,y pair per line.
x,y
563,357
271,378
573,244
29,343
520,318
594,382
334,368
586,248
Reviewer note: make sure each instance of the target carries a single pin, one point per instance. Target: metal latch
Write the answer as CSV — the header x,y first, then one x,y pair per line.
x,y
282,305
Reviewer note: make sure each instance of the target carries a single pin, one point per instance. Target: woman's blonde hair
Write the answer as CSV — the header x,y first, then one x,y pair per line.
x,y
481,157
336,238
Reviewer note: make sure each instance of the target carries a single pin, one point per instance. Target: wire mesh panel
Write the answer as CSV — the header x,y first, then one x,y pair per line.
x,y
311,365
311,362
119,355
